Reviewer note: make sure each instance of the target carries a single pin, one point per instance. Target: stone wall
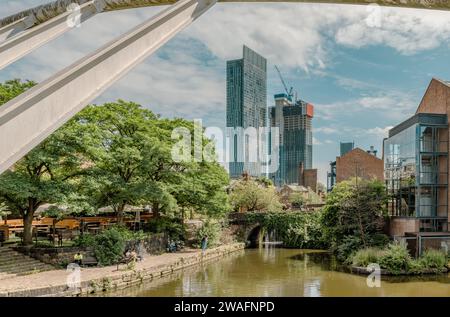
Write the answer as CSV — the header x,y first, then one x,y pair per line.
x,y
58,257
130,277
61,256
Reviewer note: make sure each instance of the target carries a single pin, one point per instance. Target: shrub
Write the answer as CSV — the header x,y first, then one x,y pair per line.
x,y
416,266
109,246
395,258
366,256
212,230
348,246
433,259
85,240
379,240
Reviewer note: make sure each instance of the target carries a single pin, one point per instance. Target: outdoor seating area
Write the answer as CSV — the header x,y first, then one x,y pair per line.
x,y
62,232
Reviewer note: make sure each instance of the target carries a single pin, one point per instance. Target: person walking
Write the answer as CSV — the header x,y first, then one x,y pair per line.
x,y
204,244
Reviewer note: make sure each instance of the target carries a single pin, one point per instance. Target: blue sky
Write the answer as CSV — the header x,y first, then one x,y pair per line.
x,y
364,68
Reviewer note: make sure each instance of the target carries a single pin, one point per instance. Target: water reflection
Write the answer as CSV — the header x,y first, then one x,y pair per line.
x,y
283,272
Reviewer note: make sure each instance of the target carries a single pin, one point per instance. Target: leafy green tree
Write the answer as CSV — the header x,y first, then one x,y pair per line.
x,y
12,88
251,195
47,174
133,165
129,159
354,215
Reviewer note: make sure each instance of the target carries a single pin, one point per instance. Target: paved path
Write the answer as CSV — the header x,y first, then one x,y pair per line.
x,y
57,278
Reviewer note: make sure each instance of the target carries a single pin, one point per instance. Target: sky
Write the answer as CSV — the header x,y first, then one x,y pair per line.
x,y
364,68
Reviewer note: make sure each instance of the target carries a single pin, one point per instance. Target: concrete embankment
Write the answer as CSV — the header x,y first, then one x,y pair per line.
x,y
97,280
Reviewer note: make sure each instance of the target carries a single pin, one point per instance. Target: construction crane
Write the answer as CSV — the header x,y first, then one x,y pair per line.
x,y
289,92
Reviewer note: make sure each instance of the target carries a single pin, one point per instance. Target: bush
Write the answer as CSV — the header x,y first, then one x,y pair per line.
x,y
379,240
85,240
210,229
366,256
348,246
109,246
433,259
395,258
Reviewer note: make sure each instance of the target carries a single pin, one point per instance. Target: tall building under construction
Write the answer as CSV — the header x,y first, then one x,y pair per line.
x,y
294,120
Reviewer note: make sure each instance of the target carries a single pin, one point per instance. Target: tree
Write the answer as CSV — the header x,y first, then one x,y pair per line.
x,y
354,214
125,156
297,200
251,195
133,164
47,174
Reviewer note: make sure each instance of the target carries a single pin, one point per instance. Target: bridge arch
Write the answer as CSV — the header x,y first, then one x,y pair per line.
x,y
253,235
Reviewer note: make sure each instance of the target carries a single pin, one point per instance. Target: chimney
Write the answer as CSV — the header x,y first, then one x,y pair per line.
x,y
372,151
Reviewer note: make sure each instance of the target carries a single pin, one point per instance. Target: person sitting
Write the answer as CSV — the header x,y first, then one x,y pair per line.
x,y
78,258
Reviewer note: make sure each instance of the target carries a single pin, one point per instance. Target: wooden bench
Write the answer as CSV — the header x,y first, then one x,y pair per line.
x,y
89,259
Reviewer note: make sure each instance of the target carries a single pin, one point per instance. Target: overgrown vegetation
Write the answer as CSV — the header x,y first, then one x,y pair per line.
x,y
396,259
212,229
354,216
254,195
295,229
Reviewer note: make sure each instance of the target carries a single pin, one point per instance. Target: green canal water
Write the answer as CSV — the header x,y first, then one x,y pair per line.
x,y
282,272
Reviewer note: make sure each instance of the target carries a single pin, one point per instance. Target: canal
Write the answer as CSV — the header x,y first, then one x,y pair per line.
x,y
282,272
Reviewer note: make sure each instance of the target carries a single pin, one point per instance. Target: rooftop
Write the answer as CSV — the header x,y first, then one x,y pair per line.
x,y
423,118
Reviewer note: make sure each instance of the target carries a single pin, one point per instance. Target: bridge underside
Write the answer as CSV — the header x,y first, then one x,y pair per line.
x,y
29,118
43,13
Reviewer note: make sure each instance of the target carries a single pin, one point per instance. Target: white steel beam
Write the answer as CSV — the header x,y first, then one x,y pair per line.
x,y
29,118
44,23
28,38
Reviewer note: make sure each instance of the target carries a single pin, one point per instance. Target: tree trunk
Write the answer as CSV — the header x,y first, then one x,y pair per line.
x,y
120,210
28,228
155,210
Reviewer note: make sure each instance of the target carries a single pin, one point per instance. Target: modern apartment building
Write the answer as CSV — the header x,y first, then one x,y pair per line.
x,y
294,120
246,105
416,166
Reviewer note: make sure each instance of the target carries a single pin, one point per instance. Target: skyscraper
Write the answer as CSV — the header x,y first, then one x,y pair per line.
x,y
246,104
294,120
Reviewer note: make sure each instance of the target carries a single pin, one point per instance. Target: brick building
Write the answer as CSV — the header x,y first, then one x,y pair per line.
x,y
307,177
358,163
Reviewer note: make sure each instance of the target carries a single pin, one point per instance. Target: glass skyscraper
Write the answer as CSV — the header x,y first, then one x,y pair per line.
x,y
246,105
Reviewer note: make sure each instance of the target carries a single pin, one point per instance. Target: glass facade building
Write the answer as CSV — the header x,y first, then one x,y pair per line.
x,y
416,170
246,95
294,121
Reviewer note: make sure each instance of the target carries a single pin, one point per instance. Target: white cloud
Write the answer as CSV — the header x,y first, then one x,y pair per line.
x,y
392,105
380,133
325,130
406,30
299,35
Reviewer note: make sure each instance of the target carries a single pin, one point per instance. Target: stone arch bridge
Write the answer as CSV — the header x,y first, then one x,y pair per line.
x,y
247,231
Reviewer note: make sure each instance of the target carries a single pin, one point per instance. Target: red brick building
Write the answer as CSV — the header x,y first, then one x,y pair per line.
x,y
359,163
